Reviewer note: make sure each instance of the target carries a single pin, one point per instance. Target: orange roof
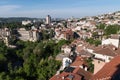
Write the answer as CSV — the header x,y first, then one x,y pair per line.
x,y
87,75
109,71
67,76
77,74
78,62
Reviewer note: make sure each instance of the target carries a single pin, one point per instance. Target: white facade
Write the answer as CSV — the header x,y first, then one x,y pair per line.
x,y
105,58
114,42
78,28
90,50
26,22
24,34
66,62
66,50
33,36
48,20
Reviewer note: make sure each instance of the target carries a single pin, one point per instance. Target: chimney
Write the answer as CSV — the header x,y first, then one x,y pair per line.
x,y
103,46
114,48
85,68
63,77
81,67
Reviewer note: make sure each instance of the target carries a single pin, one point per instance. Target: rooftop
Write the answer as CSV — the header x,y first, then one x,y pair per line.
x,y
109,50
110,71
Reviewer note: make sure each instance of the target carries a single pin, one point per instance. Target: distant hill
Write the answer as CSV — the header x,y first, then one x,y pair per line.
x,y
16,19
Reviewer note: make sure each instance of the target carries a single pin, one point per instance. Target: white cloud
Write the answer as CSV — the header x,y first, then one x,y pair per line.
x,y
17,11
8,8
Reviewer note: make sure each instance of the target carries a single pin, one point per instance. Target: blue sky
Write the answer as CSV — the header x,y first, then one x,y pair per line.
x,y
57,8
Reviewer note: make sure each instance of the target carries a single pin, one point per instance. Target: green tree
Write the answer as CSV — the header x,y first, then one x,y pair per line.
x,y
101,26
112,29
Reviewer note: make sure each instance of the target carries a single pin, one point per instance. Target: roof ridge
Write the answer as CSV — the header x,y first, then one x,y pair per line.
x,y
112,50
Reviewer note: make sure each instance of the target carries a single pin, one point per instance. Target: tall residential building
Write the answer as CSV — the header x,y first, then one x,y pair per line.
x,y
48,19
23,34
34,35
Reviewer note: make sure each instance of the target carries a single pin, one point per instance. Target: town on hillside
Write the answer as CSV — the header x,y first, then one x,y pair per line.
x,y
92,51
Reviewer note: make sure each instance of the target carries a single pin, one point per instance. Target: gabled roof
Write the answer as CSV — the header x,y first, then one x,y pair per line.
x,y
77,74
85,53
78,62
108,50
110,71
68,75
87,75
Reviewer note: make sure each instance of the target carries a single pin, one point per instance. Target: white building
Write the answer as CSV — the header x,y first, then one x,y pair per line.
x,y
66,49
48,19
24,34
104,53
34,35
26,22
66,62
114,42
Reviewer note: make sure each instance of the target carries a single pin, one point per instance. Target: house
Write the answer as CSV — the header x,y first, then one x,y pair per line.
x,y
105,53
66,34
110,71
34,35
26,22
79,62
5,32
61,56
66,62
81,49
71,73
98,65
114,42
66,49
85,35
23,34
29,35
66,52
85,53
78,69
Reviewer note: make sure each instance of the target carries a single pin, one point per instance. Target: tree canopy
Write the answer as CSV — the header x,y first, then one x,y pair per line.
x,y
30,60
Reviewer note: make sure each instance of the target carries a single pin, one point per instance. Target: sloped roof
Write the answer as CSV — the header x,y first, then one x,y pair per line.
x,y
67,75
109,50
78,62
110,71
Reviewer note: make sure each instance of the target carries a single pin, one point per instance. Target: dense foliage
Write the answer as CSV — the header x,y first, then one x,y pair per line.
x,y
95,42
109,29
112,29
30,61
90,64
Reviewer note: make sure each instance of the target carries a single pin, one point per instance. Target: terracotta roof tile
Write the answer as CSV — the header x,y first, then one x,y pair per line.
x,y
110,70
87,75
78,62
66,76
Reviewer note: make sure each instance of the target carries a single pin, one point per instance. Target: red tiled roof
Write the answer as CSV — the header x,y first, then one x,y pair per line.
x,y
79,48
87,75
109,70
66,75
118,51
78,62
77,74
